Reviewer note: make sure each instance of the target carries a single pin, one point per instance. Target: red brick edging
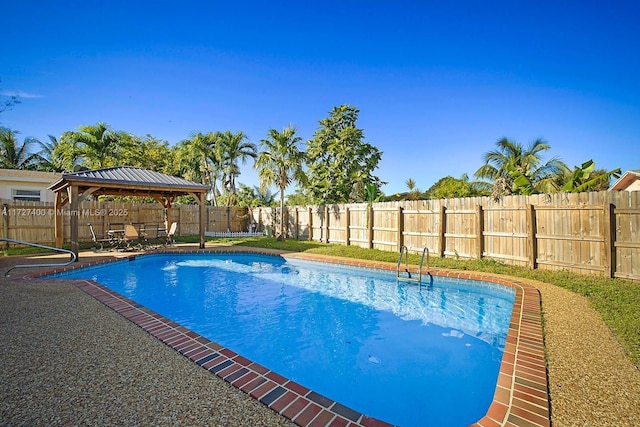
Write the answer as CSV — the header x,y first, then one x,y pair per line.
x,y
521,397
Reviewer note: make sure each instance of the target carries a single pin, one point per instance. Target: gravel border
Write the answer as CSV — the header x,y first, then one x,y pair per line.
x,y
69,360
591,380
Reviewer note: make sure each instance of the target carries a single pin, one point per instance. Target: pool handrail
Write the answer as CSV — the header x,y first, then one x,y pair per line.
x,y
405,251
74,257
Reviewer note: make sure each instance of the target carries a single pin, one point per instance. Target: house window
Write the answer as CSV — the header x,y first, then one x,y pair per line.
x,y
26,195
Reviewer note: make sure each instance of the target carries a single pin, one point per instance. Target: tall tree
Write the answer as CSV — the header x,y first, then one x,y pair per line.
x,y
215,156
515,169
280,162
300,197
255,197
47,159
65,152
98,145
147,152
340,163
201,159
235,147
450,187
14,155
192,160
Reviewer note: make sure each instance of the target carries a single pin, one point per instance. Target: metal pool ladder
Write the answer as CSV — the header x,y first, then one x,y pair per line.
x,y
404,251
74,258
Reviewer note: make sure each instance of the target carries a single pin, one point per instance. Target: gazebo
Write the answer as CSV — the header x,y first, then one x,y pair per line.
x,y
120,181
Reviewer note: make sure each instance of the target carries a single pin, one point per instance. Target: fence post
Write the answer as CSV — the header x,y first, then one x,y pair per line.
x,y
259,224
479,232
297,226
285,225
310,224
347,230
400,228
5,215
442,244
326,224
104,218
179,230
532,240
370,226
610,239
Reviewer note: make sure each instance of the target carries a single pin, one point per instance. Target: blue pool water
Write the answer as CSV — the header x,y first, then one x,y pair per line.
x,y
405,354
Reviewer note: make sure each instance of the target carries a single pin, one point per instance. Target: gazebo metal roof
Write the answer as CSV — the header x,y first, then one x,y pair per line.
x,y
127,179
121,181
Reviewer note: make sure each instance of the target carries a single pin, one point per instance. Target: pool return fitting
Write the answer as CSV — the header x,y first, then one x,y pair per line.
x,y
400,275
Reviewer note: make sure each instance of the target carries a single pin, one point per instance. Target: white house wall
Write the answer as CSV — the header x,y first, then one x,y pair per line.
x,y
13,179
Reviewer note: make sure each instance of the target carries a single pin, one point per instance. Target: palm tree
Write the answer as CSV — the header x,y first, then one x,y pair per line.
x,y
47,155
264,197
192,160
199,146
414,192
98,145
215,156
14,156
254,196
65,152
234,147
515,169
280,163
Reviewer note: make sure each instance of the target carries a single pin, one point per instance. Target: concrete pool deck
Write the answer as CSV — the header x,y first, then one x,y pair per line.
x,y
519,397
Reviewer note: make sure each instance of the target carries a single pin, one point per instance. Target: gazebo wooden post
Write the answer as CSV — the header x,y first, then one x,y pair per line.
x,y
73,218
201,200
58,224
167,223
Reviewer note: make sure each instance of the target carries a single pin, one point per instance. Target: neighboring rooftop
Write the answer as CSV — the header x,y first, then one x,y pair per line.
x,y
629,181
28,175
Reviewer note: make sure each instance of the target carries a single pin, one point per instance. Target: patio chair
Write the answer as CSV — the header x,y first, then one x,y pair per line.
x,y
131,238
171,233
150,236
112,242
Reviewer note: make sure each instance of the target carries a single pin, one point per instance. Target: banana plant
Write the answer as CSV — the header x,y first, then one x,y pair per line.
x,y
586,177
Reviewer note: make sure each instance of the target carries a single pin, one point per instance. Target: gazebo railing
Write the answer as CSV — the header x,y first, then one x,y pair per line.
x,y
74,258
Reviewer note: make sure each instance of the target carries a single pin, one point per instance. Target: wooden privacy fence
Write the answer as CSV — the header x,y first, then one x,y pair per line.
x,y
34,222
592,233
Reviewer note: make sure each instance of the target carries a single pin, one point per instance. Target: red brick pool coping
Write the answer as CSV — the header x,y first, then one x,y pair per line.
x,y
521,397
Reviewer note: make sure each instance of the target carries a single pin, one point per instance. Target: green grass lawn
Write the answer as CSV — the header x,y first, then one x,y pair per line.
x,y
616,300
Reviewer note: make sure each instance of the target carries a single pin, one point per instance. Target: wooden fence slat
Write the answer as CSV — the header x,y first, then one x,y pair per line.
x,y
479,232
532,237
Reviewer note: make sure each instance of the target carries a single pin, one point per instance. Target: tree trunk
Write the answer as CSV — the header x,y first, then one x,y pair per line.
x,y
282,214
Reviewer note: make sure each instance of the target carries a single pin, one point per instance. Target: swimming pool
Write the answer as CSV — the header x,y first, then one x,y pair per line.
x,y
393,351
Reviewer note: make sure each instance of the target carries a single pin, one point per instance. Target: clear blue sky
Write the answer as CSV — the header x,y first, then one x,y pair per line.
x,y
436,82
